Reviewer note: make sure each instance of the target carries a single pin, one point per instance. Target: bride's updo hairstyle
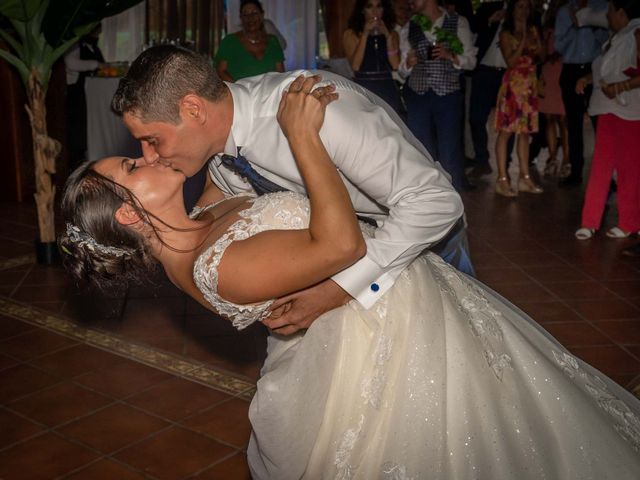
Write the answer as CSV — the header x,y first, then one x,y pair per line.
x,y
96,248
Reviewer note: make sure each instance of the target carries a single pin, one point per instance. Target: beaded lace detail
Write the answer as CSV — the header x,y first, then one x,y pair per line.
x,y
626,423
276,211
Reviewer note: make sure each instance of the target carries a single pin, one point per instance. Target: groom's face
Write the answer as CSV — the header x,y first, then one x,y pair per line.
x,y
175,145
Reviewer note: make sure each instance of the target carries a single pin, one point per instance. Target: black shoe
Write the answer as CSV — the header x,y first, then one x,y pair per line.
x,y
632,251
570,181
479,171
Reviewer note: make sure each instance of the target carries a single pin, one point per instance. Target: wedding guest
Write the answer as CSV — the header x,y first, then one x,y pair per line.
x,y
517,107
578,46
616,101
371,45
551,105
251,51
485,83
433,90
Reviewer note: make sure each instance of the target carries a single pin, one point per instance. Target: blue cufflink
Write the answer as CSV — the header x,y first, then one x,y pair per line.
x,y
375,287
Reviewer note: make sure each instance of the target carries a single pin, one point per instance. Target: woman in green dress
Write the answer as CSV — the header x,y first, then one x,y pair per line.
x,y
250,51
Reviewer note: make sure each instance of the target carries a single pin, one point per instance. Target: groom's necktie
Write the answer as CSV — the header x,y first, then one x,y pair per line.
x,y
242,167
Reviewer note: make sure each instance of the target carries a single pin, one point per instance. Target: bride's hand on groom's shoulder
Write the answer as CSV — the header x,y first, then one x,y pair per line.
x,y
302,107
300,309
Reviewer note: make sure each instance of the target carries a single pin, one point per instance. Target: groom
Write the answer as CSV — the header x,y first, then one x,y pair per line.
x,y
175,104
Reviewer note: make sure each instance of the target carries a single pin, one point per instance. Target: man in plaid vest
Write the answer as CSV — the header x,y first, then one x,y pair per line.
x,y
433,94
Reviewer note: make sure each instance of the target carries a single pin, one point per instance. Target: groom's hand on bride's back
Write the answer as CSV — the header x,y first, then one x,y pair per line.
x,y
299,310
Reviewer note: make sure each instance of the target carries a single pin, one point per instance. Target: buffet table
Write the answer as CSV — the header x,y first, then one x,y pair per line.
x,y
106,134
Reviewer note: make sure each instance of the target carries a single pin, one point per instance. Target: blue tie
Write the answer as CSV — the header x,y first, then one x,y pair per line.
x,y
242,167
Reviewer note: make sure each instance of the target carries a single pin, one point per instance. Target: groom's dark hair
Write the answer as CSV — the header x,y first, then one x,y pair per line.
x,y
159,78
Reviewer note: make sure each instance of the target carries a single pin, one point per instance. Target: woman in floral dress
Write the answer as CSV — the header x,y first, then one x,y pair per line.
x,y
517,105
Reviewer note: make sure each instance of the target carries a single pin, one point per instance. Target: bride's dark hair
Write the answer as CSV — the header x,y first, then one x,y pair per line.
x,y
96,248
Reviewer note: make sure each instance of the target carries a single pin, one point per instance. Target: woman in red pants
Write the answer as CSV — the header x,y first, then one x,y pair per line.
x,y
616,100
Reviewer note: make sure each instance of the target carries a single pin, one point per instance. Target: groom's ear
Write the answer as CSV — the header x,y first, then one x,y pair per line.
x,y
127,215
192,107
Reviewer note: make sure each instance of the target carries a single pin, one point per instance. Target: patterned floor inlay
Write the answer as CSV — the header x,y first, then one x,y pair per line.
x,y
168,362
17,262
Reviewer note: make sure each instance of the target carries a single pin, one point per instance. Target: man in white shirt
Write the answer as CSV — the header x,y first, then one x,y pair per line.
x,y
391,178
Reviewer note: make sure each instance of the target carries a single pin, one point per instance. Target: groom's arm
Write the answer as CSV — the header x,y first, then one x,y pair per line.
x,y
388,164
371,151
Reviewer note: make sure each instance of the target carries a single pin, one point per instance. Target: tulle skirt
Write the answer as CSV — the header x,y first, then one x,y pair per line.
x,y
441,379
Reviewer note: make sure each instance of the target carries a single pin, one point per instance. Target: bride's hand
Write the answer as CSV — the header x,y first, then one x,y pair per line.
x,y
301,110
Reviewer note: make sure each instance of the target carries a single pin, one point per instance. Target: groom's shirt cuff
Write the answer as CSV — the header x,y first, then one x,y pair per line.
x,y
367,292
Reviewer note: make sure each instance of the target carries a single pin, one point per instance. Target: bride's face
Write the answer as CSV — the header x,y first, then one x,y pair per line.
x,y
155,186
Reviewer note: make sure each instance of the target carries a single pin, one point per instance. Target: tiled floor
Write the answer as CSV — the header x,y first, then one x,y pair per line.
x,y
147,384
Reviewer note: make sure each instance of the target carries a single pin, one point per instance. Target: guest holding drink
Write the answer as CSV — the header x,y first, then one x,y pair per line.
x,y
441,47
371,46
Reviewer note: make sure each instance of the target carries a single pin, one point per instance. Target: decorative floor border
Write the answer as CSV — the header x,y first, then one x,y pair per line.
x,y
153,357
17,262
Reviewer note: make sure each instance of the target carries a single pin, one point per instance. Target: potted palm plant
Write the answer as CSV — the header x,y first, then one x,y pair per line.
x,y
38,33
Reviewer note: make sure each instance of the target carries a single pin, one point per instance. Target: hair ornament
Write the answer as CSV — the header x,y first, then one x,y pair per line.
x,y
83,239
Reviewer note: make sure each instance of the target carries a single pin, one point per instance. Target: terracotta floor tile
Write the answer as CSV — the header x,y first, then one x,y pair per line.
x,y
534,259
45,457
491,260
15,429
608,309
544,312
6,362
589,290
35,343
59,404
169,399
610,271
113,428
76,360
624,288
610,360
634,350
496,276
623,332
10,327
21,380
31,293
122,379
42,275
209,325
234,468
575,334
523,292
556,274
174,454
227,422
12,276
105,469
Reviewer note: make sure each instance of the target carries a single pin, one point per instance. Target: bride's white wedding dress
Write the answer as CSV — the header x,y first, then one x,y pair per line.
x,y
441,379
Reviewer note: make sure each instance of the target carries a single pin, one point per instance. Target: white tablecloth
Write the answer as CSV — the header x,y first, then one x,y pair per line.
x,y
106,134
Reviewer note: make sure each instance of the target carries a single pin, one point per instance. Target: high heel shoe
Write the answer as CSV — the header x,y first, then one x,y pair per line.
x,y
525,184
565,170
503,187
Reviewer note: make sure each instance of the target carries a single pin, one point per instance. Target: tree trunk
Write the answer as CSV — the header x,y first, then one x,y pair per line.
x,y
45,152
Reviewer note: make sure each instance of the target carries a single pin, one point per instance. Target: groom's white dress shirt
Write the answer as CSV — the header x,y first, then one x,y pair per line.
x,y
388,173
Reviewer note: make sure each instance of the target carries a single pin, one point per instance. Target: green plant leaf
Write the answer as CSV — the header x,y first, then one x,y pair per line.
x,y
23,71
65,16
22,10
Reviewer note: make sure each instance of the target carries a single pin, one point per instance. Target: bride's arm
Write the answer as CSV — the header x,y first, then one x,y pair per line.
x,y
274,263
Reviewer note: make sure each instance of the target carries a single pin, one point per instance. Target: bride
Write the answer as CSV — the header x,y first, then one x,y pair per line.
x,y
441,379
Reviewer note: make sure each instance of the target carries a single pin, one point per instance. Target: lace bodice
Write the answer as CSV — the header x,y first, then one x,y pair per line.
x,y
276,211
